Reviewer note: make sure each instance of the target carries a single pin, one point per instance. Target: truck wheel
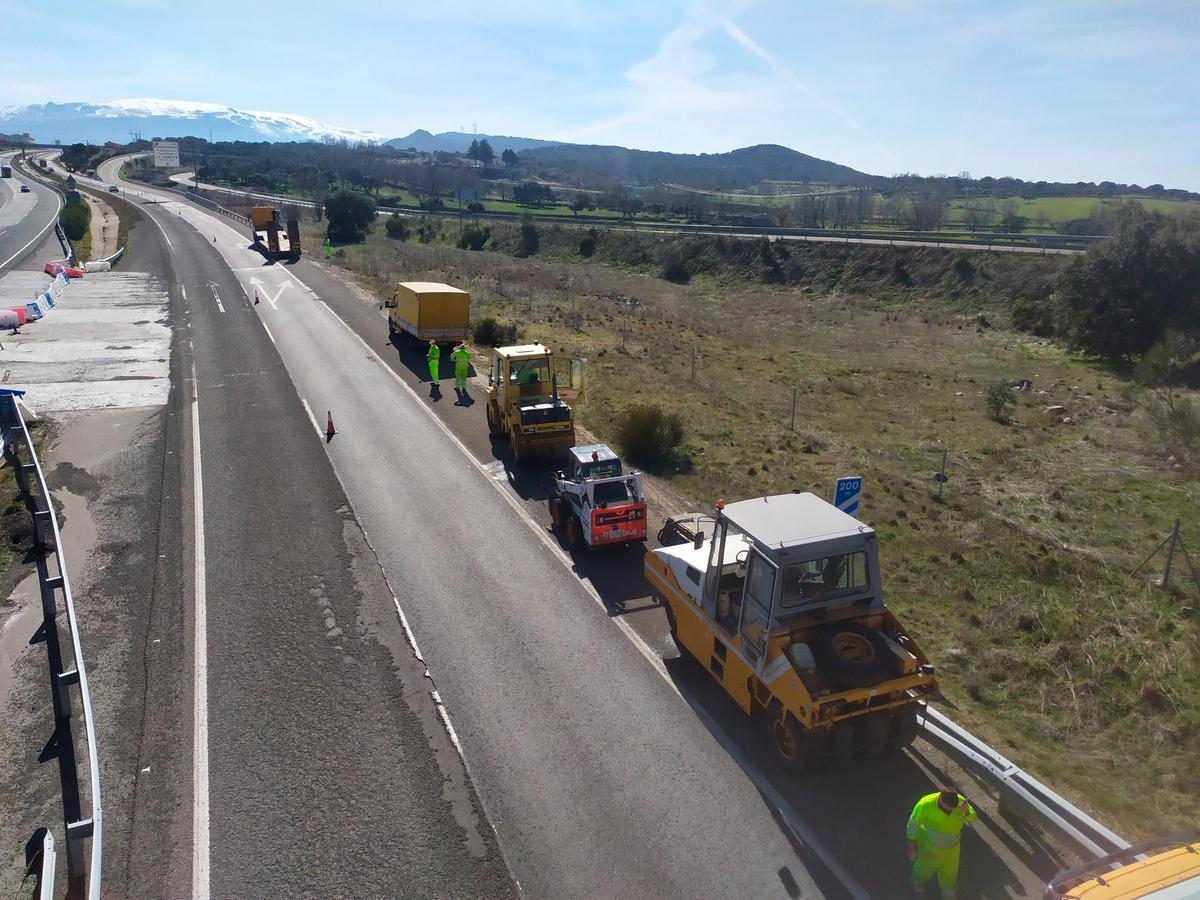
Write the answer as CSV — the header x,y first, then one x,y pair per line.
x,y
575,534
853,655
906,726
555,506
493,426
793,744
876,727
391,326
516,449
684,652
845,743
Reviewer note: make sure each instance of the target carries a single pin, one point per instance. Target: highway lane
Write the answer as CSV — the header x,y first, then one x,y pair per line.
x,y
599,778
25,219
852,816
328,769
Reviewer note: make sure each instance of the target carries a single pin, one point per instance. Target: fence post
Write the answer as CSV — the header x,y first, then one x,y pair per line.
x,y
793,425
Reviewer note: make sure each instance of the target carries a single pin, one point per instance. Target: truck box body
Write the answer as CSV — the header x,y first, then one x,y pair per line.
x,y
269,234
430,311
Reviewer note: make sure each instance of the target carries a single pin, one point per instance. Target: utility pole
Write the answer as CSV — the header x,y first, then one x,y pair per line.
x,y
941,477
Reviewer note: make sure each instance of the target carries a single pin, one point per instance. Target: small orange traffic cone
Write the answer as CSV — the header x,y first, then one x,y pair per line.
x,y
330,431
256,296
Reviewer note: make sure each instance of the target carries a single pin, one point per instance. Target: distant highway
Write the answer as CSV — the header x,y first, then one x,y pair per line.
x,y
26,218
186,180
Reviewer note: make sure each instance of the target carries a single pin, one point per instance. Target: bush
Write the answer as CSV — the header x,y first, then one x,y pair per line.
x,y
674,266
396,228
530,237
75,219
475,207
998,398
1034,318
648,436
587,245
474,237
488,332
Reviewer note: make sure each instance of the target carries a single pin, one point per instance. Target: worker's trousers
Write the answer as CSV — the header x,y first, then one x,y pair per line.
x,y
460,377
943,864
433,370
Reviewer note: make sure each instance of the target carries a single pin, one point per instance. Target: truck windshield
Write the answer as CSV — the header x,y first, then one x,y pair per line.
x,y
527,371
615,492
823,579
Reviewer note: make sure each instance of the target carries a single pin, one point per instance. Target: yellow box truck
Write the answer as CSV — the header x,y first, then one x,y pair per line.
x,y
428,311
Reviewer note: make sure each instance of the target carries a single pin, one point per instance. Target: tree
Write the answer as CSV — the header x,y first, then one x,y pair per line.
x,y
976,214
1121,297
485,153
350,214
473,150
998,398
530,238
509,158
474,237
396,228
578,203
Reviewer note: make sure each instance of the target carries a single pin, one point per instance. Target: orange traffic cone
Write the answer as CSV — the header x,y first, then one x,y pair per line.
x,y
256,296
330,431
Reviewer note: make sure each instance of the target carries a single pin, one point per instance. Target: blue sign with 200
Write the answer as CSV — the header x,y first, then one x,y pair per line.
x,y
847,494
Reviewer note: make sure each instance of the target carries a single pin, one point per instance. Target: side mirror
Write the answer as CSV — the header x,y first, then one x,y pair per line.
x,y
698,542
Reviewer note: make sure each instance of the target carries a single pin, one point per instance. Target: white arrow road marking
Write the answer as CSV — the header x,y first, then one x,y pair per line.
x,y
262,289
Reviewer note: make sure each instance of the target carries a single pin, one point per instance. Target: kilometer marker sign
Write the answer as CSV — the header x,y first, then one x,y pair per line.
x,y
847,494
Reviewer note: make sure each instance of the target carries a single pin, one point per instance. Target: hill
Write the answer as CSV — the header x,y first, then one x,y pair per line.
x,y
582,163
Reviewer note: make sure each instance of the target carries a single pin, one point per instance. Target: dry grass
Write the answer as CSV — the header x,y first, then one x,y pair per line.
x,y
1016,584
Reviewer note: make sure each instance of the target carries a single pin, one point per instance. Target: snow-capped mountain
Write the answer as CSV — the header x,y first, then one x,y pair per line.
x,y
115,120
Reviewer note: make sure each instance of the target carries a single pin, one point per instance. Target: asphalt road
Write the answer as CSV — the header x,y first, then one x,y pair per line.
x,y
25,219
607,766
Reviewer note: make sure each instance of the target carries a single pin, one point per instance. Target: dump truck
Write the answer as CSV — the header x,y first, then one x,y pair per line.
x,y
529,392
5,171
779,599
593,502
269,235
1162,868
429,311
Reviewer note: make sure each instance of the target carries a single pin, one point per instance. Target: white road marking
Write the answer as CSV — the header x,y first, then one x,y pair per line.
x,y
36,237
183,292
268,331
166,237
200,817
802,832
216,296
312,418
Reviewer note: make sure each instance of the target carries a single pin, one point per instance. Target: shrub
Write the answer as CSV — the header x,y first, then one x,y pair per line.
x,y
474,237
530,239
75,219
998,398
396,228
674,266
648,436
587,245
488,332
475,207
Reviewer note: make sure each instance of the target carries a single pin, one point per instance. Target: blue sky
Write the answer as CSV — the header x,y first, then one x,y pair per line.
x,y
1058,89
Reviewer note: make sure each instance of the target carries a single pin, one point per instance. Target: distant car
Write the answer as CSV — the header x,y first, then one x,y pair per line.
x,y
24,189
113,189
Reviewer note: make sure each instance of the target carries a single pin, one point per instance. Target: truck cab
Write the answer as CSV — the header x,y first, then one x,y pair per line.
x,y
779,599
528,399
596,503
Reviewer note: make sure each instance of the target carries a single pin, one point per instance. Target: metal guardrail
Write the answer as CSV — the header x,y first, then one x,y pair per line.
x,y
1019,791
68,252
41,857
83,869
